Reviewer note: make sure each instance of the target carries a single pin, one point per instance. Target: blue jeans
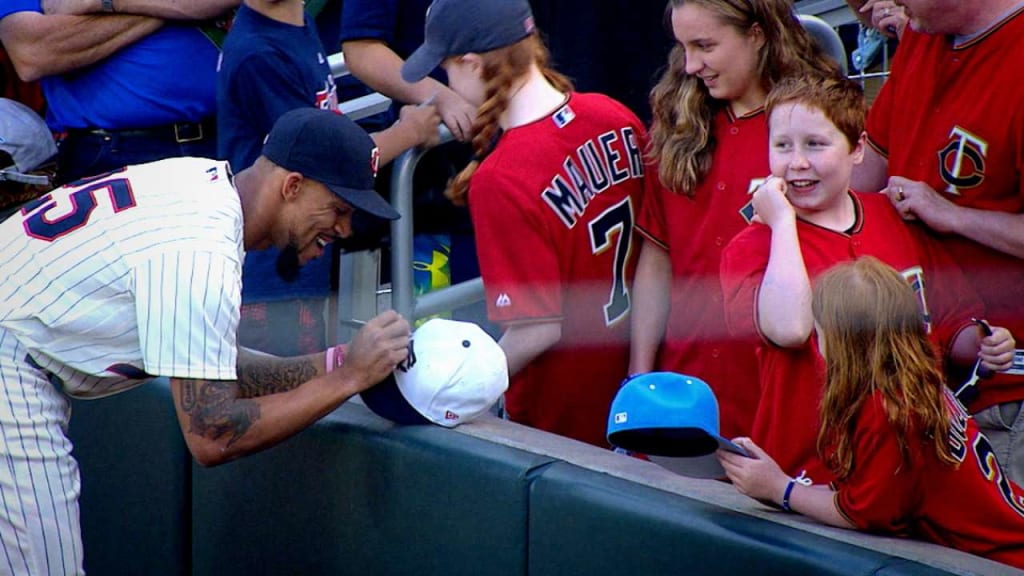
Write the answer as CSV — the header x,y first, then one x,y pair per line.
x,y
88,153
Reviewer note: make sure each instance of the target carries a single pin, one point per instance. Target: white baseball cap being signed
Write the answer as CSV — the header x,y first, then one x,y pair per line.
x,y
455,372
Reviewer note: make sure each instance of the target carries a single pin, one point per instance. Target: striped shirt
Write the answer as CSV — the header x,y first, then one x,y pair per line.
x,y
132,274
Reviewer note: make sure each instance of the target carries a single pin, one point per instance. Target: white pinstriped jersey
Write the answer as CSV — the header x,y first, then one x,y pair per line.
x,y
130,274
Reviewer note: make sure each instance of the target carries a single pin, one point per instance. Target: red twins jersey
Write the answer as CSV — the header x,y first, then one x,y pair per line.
x,y
128,274
953,117
971,506
792,379
694,231
553,209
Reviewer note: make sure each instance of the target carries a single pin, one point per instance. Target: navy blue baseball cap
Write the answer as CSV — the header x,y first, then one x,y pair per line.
x,y
330,148
456,27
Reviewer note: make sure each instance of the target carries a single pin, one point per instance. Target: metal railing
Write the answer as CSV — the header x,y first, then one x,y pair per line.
x,y
403,298
360,291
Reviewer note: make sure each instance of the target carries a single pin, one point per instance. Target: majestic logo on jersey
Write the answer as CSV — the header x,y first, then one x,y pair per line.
x,y
747,212
600,163
915,277
503,301
962,161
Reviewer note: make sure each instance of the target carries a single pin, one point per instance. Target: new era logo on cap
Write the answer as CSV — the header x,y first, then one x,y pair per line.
x,y
455,372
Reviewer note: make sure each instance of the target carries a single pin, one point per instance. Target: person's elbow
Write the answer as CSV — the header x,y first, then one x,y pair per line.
x,y
33,63
208,453
788,334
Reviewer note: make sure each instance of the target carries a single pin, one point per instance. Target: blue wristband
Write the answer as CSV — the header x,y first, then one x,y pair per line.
x,y
787,494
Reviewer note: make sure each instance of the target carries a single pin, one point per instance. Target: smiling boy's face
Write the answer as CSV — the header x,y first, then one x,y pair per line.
x,y
812,156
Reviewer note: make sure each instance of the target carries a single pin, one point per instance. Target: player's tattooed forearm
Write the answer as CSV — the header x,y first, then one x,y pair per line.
x,y
215,413
260,375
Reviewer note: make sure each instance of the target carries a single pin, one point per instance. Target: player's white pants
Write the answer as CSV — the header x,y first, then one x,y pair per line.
x,y
39,482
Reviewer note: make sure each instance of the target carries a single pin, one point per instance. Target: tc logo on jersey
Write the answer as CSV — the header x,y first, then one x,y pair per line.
x,y
962,161
503,301
748,212
915,277
375,161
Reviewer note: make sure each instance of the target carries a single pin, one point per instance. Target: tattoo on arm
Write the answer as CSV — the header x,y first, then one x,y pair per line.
x,y
214,412
259,375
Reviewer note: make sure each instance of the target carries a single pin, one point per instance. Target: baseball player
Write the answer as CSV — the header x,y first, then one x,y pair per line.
x,y
553,196
710,139
953,160
907,457
114,279
807,222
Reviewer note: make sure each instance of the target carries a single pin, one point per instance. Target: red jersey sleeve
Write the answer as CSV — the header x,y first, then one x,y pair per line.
x,y
744,262
517,256
882,490
651,222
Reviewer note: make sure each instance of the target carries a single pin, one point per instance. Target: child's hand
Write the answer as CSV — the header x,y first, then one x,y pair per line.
x,y
771,206
758,477
996,350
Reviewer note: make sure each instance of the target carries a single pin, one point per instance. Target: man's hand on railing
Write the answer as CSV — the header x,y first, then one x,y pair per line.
x,y
417,126
423,121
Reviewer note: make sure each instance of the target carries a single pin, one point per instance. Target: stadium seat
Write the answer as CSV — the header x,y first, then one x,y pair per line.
x,y
827,38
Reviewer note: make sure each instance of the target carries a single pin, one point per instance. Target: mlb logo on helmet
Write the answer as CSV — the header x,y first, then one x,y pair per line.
x,y
459,372
673,419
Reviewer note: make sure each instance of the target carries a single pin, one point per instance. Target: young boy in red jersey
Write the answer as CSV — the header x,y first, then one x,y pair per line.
x,y
808,220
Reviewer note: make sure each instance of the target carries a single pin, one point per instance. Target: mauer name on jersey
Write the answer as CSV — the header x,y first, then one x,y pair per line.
x,y
597,165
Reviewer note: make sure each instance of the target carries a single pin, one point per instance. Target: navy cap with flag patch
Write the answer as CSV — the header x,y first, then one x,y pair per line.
x,y
330,148
456,27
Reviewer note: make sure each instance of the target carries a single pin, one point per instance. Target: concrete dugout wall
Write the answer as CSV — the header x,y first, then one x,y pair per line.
x,y
357,495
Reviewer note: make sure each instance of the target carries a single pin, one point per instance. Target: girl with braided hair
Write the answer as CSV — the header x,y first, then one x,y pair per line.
x,y
908,459
709,139
553,191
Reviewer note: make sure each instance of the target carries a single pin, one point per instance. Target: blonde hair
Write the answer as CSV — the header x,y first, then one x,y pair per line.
x,y
839,99
502,68
874,340
681,140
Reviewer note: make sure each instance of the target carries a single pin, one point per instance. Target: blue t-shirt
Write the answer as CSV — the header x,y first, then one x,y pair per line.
x,y
268,68
397,23
164,78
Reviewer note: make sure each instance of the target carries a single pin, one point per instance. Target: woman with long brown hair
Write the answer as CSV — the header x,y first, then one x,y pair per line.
x,y
553,190
908,459
710,142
